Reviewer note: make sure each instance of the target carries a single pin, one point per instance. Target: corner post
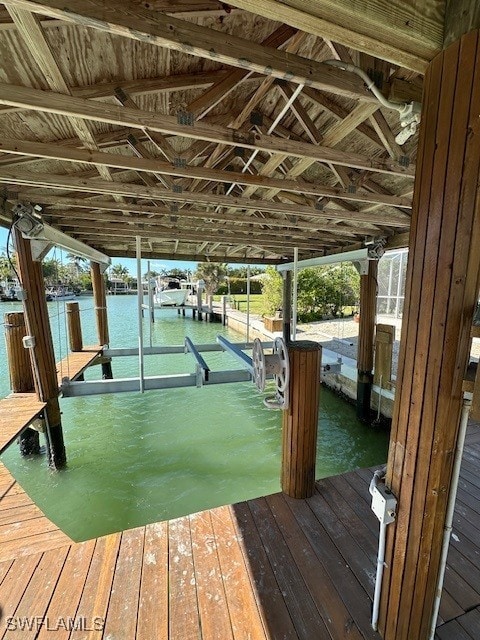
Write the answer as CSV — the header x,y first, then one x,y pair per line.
x,y
441,294
42,354
100,301
300,420
368,308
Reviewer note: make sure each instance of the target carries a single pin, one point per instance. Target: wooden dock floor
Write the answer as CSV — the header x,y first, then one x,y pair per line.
x,y
17,412
75,363
268,568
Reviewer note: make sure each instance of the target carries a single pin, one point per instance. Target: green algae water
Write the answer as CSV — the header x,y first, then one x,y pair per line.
x,y
138,458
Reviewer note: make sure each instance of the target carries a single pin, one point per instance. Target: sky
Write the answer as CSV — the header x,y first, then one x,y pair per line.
x,y
130,263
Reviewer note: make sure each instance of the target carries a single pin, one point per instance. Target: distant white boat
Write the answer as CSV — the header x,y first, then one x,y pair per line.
x,y
59,294
169,292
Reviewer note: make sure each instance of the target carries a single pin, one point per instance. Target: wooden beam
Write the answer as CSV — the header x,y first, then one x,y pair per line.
x,y
145,86
211,235
48,102
407,34
216,93
165,31
133,190
151,165
30,29
154,214
159,224
68,216
461,16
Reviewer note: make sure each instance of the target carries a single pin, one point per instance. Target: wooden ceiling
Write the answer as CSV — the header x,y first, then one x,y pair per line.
x,y
210,131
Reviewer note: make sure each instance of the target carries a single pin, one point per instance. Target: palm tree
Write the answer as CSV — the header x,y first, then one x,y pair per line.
x,y
77,261
212,273
119,271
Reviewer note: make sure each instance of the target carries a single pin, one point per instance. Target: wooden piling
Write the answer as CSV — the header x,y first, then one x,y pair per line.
x,y
300,420
21,374
42,354
368,309
19,365
199,303
74,326
100,301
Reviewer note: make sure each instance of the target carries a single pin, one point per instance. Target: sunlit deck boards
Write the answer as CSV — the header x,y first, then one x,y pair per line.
x,y
268,568
75,363
17,412
24,529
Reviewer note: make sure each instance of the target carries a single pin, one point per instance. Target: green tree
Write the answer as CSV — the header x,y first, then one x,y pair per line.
x,y
272,289
120,271
6,270
325,291
213,273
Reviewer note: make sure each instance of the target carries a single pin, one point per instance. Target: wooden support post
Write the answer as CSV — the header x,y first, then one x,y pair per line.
x,y
368,308
100,301
224,310
287,306
19,365
199,303
441,293
300,420
21,375
42,353
74,326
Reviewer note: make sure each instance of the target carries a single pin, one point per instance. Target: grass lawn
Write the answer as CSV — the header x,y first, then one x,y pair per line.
x,y
240,299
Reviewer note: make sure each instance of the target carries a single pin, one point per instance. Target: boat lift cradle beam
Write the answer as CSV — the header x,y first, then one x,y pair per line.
x,y
122,385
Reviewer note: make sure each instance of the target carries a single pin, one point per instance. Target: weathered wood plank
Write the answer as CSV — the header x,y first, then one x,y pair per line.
x,y
276,616
38,592
211,597
122,612
67,593
153,604
16,413
98,584
184,616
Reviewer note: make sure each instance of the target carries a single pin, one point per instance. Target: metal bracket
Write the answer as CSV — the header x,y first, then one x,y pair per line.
x,y
179,163
186,118
40,248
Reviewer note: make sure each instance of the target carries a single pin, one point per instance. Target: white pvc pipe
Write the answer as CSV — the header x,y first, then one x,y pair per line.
x,y
295,293
377,476
141,365
379,576
150,303
467,403
248,303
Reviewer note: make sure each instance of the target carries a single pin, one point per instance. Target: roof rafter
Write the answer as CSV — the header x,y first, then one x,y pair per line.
x,y
165,31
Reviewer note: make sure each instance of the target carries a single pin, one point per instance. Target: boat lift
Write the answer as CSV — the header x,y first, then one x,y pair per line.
x,y
252,369
203,375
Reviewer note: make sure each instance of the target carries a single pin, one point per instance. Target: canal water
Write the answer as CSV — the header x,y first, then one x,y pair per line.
x,y
138,458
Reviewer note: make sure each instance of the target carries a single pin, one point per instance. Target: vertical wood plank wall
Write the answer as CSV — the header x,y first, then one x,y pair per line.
x,y
442,288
